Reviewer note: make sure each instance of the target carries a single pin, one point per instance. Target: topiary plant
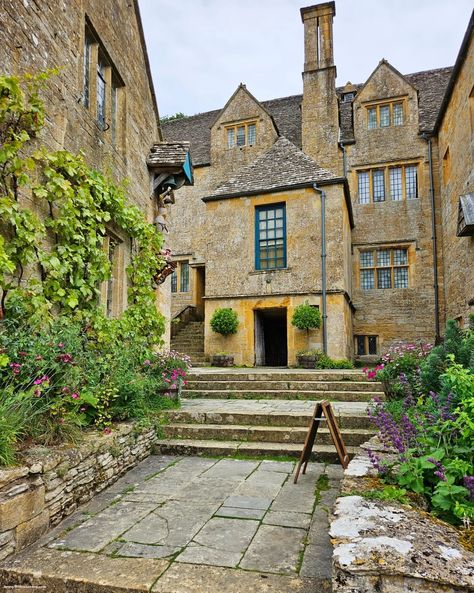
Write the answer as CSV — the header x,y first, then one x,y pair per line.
x,y
306,317
224,321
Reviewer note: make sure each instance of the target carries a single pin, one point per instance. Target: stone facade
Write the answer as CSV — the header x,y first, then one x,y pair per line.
x,y
39,36
456,178
52,483
382,129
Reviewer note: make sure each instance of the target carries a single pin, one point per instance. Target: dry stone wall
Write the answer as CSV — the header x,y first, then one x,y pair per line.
x,y
52,483
387,547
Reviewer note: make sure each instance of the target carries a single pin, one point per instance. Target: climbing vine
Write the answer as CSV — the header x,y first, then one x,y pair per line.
x,y
54,212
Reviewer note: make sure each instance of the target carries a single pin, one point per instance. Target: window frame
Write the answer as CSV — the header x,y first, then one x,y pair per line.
x,y
234,129
392,266
184,276
378,106
257,245
387,180
366,338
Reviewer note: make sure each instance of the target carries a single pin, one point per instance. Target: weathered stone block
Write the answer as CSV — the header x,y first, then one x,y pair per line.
x,y
29,531
21,508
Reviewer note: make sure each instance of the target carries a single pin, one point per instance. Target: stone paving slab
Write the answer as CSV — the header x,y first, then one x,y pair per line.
x,y
268,553
205,525
59,571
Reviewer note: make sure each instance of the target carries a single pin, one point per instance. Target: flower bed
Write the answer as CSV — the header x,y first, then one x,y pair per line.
x,y
427,425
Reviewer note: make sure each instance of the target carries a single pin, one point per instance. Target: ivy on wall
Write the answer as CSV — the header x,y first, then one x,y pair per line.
x,y
54,212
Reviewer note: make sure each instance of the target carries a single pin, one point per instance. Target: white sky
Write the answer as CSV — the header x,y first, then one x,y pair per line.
x,y
200,50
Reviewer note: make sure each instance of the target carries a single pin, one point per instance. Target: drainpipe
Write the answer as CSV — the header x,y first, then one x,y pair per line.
x,y
322,193
434,239
344,159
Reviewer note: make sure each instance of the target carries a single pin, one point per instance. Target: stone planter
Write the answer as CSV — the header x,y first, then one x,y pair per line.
x,y
222,360
306,361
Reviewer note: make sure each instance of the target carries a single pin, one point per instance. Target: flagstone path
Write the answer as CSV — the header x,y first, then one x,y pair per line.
x,y
192,525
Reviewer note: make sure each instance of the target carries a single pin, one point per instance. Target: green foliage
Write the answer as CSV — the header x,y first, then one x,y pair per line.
x,y
67,245
224,321
388,493
167,118
306,317
323,361
15,414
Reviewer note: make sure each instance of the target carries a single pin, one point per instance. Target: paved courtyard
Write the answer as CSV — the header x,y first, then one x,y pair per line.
x,y
191,524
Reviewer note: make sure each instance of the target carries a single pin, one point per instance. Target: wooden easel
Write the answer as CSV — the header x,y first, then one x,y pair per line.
x,y
321,408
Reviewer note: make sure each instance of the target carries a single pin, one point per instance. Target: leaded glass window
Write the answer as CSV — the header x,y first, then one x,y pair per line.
x,y
101,86
372,344
251,134
372,118
384,116
87,66
184,286
364,187
270,237
398,114
174,282
396,188
388,268
230,137
411,182
241,136
378,182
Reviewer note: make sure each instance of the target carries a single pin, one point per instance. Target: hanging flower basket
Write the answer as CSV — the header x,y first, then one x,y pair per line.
x,y
164,272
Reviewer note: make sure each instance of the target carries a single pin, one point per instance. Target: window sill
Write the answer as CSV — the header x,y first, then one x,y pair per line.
x,y
270,271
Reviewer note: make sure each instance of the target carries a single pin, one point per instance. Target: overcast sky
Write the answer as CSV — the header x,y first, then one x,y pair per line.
x,y
200,50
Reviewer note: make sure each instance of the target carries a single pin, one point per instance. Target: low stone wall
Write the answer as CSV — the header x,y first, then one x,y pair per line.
x,y
387,547
53,482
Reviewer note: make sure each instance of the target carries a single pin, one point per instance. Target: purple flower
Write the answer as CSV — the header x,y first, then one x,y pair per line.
x,y
440,469
469,484
375,460
147,362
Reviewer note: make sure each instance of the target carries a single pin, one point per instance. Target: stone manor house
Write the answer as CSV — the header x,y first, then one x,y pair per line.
x,y
102,102
382,168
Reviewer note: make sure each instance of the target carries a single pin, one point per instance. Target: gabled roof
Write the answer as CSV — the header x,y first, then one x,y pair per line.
x,y
430,84
283,166
244,89
168,154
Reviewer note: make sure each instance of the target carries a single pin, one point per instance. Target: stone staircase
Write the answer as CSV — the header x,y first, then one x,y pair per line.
x,y
266,412
190,340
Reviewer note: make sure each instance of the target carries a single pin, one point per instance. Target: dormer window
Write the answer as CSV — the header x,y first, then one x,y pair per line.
x,y
385,115
243,134
348,97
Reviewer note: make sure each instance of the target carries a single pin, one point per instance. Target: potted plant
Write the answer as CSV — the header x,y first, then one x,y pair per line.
x,y
306,317
224,321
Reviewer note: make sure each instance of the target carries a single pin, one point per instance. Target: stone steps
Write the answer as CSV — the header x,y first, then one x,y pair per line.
x,y
260,434
260,418
262,450
283,394
256,385
261,374
190,340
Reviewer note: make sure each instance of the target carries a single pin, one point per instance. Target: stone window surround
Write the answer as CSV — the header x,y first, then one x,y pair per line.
x,y
408,245
234,126
177,274
366,338
113,292
112,122
271,250
386,168
379,106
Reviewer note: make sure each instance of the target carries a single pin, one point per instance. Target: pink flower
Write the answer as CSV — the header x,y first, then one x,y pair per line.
x,y
38,357
60,345
107,430
147,362
22,354
37,392
83,409
75,395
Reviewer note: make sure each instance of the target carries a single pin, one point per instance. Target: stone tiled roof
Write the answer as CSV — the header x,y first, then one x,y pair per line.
x,y
167,154
286,112
282,166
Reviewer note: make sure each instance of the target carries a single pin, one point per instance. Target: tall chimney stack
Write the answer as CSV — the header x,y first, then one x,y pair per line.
x,y
320,117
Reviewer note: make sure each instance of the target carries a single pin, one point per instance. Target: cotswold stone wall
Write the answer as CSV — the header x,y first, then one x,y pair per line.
x,y
53,482
387,547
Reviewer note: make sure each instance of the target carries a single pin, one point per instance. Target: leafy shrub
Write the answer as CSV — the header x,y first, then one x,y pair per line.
x,y
306,317
432,433
323,361
72,376
224,321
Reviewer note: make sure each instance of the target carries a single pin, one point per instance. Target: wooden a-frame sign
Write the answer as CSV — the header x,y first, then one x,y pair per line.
x,y
321,408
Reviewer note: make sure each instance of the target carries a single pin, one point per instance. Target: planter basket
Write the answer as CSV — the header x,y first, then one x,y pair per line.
x,y
222,360
306,361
